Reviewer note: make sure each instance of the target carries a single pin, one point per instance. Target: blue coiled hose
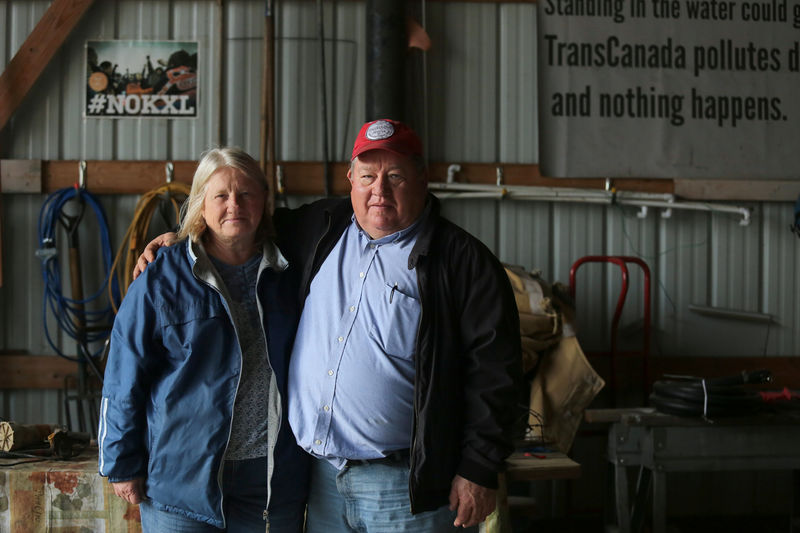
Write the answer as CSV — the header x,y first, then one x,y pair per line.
x,y
69,312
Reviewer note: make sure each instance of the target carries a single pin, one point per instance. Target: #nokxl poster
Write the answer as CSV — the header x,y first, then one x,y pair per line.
x,y
141,79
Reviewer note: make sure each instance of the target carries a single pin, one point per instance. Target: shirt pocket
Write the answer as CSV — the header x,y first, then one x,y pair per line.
x,y
396,321
195,325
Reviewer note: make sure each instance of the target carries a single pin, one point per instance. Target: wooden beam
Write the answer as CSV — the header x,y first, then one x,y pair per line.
x,y
785,370
306,177
36,52
114,177
738,190
309,178
21,175
34,371
1,233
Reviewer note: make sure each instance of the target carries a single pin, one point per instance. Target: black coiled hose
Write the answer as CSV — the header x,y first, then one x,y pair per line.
x,y
715,397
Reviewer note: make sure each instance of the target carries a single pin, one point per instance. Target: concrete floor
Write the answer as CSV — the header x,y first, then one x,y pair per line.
x,y
725,524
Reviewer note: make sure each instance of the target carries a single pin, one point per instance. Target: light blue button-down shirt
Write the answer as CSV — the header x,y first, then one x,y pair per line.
x,y
351,379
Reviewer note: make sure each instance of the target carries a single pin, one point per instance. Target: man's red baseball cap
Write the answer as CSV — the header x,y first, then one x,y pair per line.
x,y
387,134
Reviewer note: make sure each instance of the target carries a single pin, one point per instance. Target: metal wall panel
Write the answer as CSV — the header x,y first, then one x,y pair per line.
x,y
680,251
241,84
463,82
32,407
50,123
482,107
781,274
517,133
299,79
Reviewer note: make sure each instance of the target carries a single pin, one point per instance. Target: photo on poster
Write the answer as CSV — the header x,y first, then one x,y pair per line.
x,y
141,79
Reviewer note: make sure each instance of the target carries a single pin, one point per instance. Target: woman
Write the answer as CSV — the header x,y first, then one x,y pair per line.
x,y
194,396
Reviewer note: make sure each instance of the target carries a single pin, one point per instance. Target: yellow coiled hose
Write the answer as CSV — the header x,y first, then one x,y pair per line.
x,y
135,238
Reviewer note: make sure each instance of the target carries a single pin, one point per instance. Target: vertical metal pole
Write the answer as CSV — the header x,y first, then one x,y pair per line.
x,y
76,282
1,235
387,45
323,97
267,155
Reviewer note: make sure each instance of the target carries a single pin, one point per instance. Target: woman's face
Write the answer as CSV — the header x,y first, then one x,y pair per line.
x,y
233,206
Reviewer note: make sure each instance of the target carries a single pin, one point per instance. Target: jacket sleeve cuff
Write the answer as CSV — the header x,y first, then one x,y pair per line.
x,y
478,474
119,479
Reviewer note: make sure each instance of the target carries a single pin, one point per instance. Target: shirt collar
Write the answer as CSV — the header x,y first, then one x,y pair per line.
x,y
398,236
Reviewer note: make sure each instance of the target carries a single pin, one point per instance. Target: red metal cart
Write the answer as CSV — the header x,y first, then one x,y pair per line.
x,y
614,353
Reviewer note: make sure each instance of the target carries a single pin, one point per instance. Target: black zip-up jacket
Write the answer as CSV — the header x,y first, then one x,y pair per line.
x,y
467,349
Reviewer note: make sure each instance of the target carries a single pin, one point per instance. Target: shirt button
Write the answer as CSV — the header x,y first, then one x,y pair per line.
x,y
330,372
341,339
360,274
372,246
318,442
326,408
352,308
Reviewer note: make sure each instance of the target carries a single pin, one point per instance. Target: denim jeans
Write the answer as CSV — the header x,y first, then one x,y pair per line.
x,y
369,498
244,489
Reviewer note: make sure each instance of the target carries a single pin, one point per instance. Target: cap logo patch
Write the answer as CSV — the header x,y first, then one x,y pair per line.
x,y
380,129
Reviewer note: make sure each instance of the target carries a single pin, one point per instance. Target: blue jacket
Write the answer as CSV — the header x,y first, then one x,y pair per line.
x,y
172,378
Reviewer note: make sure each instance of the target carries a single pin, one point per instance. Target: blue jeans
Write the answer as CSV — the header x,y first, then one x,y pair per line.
x,y
370,498
244,489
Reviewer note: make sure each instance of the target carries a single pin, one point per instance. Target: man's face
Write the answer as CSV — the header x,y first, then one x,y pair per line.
x,y
387,192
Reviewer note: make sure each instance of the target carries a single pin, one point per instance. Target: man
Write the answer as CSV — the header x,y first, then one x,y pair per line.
x,y
404,372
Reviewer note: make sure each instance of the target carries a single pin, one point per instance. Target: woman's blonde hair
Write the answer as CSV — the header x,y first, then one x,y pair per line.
x,y
192,223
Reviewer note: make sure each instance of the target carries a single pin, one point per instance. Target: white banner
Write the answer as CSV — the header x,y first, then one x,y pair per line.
x,y
669,88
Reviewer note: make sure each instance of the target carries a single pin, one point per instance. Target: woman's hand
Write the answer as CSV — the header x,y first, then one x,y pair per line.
x,y
131,491
149,253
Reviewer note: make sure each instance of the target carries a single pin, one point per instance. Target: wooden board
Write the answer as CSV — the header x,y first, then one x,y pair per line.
x,y
785,370
551,465
21,176
36,52
738,190
34,371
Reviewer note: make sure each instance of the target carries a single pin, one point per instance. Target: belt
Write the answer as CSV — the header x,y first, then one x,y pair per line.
x,y
391,458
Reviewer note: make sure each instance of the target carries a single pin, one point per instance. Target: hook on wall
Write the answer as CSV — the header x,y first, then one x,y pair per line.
x,y
745,212
170,169
451,172
667,213
280,179
82,174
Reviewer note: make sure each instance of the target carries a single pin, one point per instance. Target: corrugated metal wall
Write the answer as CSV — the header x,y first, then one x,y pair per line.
x,y
479,105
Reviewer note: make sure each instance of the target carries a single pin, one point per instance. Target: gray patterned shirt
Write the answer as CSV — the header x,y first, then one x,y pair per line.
x,y
249,432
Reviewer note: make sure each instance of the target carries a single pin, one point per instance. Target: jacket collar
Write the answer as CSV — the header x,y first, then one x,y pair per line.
x,y
201,265
429,220
341,210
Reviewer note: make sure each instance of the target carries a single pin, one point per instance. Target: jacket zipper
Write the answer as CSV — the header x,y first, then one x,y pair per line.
x,y
411,461
265,514
238,381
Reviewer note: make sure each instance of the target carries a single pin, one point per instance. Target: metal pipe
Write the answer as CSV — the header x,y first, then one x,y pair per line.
x,y
387,44
467,195
219,51
267,152
733,314
323,98
593,196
